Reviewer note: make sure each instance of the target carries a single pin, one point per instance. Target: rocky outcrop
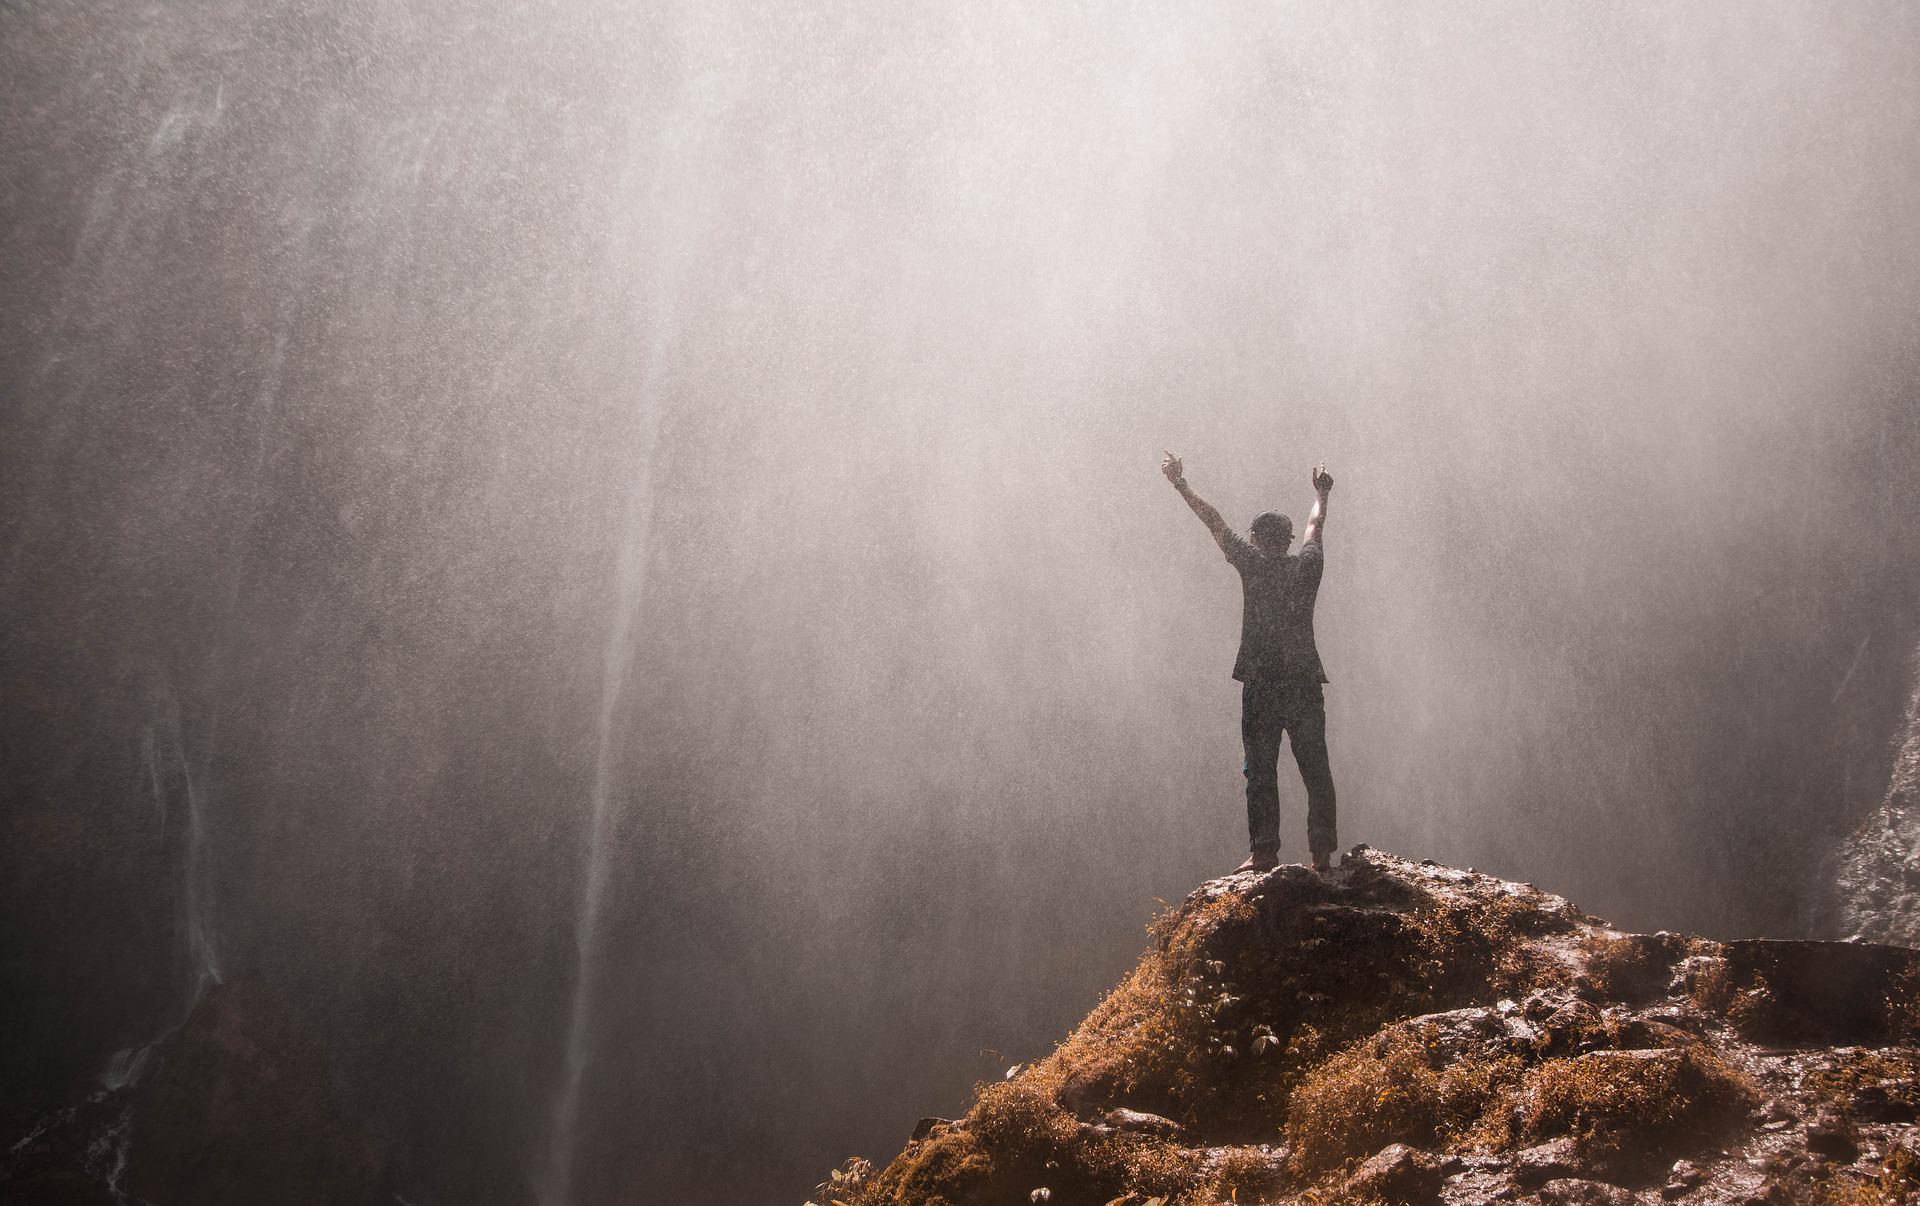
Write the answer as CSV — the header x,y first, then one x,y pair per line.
x,y
1873,879
233,1108
1406,1032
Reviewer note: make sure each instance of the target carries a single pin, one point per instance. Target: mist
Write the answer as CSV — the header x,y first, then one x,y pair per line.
x,y
614,553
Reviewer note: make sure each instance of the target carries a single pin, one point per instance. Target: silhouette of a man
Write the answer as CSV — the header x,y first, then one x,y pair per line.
x,y
1279,667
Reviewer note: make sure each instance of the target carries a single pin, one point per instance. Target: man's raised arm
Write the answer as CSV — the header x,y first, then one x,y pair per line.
x,y
1322,486
1176,474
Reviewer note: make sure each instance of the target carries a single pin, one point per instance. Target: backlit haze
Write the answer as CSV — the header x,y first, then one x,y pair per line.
x,y
614,552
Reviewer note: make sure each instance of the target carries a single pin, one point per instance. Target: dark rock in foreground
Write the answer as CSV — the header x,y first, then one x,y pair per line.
x,y
1393,1031
233,1108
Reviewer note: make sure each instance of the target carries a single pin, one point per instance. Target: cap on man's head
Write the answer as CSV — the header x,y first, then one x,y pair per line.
x,y
1273,528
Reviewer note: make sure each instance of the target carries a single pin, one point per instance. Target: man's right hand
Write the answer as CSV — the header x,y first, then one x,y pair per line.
x,y
1171,466
1322,480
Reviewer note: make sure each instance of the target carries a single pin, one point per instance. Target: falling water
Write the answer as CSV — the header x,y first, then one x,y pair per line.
x,y
106,1156
616,659
126,1067
677,240
202,955
164,755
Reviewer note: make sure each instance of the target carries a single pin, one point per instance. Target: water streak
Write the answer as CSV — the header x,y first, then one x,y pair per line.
x,y
677,239
169,769
617,657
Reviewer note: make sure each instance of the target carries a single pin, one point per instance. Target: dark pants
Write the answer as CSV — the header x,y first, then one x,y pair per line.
x,y
1269,709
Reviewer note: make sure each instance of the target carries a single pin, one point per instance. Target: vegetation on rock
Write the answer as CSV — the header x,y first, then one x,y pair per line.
x,y
1303,1037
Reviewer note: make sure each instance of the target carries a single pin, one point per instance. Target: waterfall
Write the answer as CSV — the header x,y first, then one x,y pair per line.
x,y
198,891
169,770
617,657
170,774
671,247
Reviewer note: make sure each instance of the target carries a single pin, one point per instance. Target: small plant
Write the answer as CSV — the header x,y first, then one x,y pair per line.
x,y
843,1185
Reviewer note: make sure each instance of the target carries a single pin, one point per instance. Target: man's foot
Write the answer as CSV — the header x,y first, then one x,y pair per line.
x,y
1323,862
1259,860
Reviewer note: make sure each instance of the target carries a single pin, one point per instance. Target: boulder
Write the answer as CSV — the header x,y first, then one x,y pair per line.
x,y
1399,1174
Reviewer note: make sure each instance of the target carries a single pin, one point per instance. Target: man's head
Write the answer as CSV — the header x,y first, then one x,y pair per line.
x,y
1272,532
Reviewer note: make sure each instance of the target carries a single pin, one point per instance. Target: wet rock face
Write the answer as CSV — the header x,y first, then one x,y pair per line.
x,y
1872,883
1406,1032
235,1107
240,1110
1399,1173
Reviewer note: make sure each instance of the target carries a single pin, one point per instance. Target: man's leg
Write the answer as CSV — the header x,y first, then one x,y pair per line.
x,y
1310,752
1261,721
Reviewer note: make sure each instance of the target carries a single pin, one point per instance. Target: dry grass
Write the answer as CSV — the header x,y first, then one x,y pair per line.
x,y
1633,968
1632,1111
1893,1073
1710,985
1146,1039
1897,1183
1393,1088
1260,1013
1379,1092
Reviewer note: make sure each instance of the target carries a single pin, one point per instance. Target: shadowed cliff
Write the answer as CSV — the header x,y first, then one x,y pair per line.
x,y
1406,1032
235,1107
1871,883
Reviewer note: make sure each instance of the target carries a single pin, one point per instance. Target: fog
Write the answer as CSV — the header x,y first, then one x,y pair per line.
x,y
614,553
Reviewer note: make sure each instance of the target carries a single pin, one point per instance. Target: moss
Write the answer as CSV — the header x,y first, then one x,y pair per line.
x,y
1892,1074
1710,984
1141,1031
998,1152
1017,1139
1394,1088
1292,1005
1752,1010
1380,1092
1633,1111
1633,968
1478,944
1895,1183
1216,1023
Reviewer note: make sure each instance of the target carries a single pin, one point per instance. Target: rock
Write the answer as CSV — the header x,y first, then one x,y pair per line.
x,y
1535,1166
1140,1122
1410,1008
1829,1137
56,1187
235,1108
1879,1103
1805,993
240,1111
1636,968
1398,1174
1684,1178
926,1126
1871,883
1574,1191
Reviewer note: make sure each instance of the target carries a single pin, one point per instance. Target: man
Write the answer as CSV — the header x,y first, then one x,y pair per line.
x,y
1279,667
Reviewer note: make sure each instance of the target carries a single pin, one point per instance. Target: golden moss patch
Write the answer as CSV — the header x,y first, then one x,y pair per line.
x,y
1710,984
1392,1088
1633,1110
1626,968
1895,1183
1893,1075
